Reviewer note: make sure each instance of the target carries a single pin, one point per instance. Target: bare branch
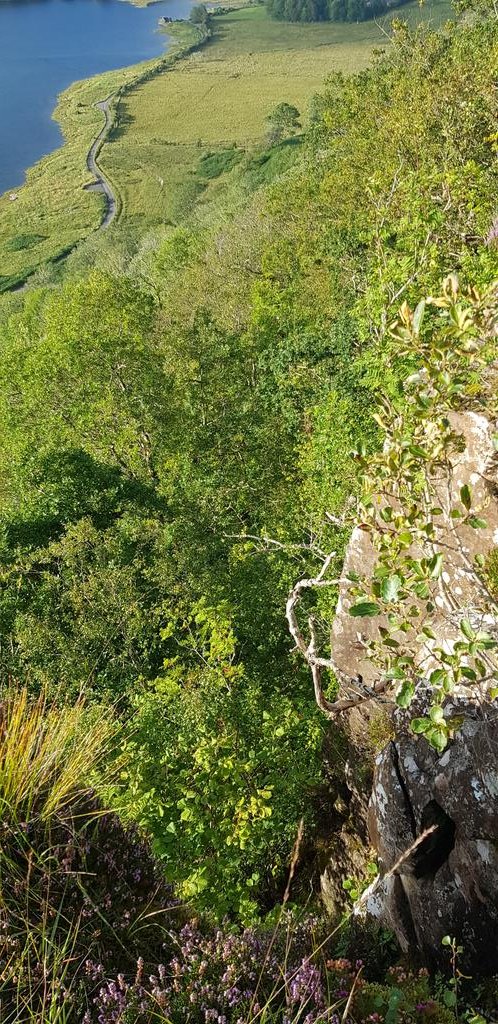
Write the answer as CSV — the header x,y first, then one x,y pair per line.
x,y
271,542
309,649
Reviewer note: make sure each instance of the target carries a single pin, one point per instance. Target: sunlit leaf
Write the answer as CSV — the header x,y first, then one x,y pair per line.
x,y
466,497
390,588
467,630
405,695
364,609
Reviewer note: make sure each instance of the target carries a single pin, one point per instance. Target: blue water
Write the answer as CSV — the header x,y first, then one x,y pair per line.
x,y
47,44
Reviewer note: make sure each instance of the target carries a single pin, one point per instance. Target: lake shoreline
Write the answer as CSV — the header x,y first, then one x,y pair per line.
x,y
48,45
80,124
215,101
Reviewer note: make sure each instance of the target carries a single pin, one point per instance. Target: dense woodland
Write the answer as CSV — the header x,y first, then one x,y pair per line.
x,y
329,10
177,417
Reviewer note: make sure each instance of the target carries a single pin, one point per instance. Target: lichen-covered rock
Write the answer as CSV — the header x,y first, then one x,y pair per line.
x,y
448,885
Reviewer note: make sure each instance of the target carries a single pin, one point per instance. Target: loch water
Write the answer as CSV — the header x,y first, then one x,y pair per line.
x,y
47,44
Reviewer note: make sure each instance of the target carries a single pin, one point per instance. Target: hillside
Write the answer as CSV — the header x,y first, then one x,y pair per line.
x,y
235,428
221,96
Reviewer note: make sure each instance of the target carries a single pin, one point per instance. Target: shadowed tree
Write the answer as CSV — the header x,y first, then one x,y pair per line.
x,y
282,123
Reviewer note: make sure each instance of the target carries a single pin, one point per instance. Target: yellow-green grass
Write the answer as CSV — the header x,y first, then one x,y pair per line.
x,y
52,211
221,95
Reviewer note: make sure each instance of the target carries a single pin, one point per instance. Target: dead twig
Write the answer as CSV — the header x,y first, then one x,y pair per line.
x,y
308,648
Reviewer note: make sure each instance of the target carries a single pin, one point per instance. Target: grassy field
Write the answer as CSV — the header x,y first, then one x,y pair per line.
x,y
52,211
221,95
216,98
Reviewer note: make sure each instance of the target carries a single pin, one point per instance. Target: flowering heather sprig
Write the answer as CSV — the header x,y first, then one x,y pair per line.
x,y
225,978
218,977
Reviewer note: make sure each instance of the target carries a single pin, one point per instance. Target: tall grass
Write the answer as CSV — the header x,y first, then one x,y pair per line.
x,y
90,932
49,759
47,756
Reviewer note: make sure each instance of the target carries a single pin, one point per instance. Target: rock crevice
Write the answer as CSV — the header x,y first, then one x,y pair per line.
x,y
448,885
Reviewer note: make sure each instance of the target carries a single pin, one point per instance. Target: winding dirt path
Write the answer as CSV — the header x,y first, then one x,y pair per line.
x,y
101,183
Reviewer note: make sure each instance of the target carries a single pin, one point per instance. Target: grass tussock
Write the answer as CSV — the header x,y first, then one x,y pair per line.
x,y
74,883
47,755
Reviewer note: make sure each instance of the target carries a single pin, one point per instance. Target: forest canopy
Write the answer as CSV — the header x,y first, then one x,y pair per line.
x,y
330,10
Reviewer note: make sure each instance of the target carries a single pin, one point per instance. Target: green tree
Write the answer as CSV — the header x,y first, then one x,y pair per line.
x,y
355,10
199,14
282,123
207,774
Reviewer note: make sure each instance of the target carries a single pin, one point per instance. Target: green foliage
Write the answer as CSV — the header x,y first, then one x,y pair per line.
x,y
400,995
211,165
399,507
207,773
265,166
199,14
20,242
328,10
95,373
355,886
481,8
282,121
176,429
82,441
117,574
298,10
421,191
410,513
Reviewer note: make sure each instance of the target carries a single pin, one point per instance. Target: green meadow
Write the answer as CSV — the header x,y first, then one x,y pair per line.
x,y
220,96
213,99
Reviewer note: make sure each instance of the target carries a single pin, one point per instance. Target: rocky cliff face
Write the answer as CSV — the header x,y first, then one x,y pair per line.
x,y
448,884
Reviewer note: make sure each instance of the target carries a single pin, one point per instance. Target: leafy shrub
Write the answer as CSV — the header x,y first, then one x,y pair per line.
x,y
406,525
213,164
207,773
262,168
